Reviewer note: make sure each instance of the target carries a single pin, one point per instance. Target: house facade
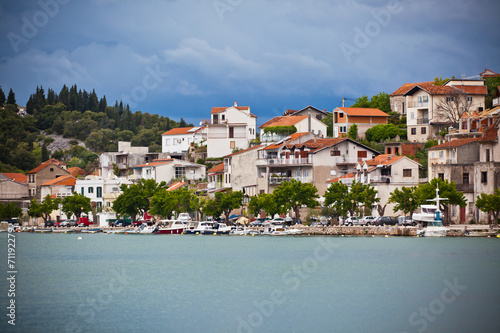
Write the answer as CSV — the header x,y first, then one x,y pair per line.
x,y
46,171
230,128
424,101
168,169
177,141
243,176
308,110
364,118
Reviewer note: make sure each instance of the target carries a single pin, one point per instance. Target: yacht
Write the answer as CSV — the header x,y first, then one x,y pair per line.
x,y
431,218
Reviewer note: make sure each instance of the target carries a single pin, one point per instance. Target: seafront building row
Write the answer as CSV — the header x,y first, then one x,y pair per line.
x,y
468,155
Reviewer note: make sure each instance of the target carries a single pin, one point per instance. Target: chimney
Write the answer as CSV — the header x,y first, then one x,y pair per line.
x,y
235,104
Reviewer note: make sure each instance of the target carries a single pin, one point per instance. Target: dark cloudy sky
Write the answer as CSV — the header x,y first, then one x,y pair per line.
x,y
180,58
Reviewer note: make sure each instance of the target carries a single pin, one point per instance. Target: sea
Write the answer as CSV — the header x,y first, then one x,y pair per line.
x,y
194,283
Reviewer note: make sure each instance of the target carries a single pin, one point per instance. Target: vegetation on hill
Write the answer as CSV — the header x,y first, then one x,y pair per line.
x,y
76,114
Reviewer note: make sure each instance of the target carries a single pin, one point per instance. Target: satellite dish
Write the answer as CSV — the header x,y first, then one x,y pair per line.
x,y
201,123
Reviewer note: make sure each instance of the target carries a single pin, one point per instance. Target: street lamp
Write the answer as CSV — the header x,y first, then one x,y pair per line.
x,y
411,199
352,201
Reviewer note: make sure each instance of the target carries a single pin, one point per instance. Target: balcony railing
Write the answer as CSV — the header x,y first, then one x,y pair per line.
x,y
421,121
380,179
280,180
465,187
289,161
418,104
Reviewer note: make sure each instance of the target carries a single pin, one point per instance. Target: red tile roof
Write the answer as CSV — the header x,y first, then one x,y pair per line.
x,y
292,137
16,176
283,121
176,186
182,130
317,144
407,87
473,90
336,180
245,150
217,169
154,163
222,109
63,180
372,112
47,163
490,134
76,171
384,159
454,143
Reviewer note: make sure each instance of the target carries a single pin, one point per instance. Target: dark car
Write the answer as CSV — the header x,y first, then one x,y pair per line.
x,y
122,223
50,223
385,220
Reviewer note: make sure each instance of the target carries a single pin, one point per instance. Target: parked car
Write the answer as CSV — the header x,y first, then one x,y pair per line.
x,y
68,223
407,221
50,223
258,222
122,223
368,220
386,220
352,220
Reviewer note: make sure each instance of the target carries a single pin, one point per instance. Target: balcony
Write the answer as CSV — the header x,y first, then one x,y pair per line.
x,y
380,179
465,188
421,121
418,104
289,161
280,179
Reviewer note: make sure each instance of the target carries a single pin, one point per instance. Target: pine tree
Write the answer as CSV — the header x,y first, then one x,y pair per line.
x,y
11,99
64,96
2,97
103,104
52,98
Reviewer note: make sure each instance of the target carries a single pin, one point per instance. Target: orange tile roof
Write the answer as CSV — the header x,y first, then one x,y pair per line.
x,y
372,112
283,121
176,186
245,150
222,109
63,180
473,90
16,176
317,144
491,133
47,163
336,180
217,169
384,159
182,130
76,171
407,87
292,137
454,143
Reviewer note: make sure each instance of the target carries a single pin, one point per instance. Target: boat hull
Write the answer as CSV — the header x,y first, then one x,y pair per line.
x,y
169,231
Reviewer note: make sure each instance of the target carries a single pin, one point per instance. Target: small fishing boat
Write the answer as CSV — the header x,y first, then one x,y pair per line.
x,y
172,227
90,231
63,231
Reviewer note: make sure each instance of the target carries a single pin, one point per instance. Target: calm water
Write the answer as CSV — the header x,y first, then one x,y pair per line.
x,y
170,283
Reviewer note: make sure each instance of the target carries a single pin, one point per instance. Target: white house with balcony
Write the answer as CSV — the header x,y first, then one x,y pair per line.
x,y
168,169
309,161
303,124
385,173
178,140
423,101
230,128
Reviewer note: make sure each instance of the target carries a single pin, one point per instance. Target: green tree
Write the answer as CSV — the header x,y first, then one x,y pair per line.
x,y
44,208
264,202
10,210
164,203
490,203
77,204
223,203
134,199
328,121
293,194
335,197
379,101
11,99
448,190
405,200
353,132
2,97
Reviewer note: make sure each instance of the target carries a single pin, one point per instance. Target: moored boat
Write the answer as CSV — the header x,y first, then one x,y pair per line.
x,y
431,218
172,227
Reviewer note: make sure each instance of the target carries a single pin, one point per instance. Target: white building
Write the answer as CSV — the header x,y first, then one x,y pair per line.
x,y
168,169
231,128
178,140
303,124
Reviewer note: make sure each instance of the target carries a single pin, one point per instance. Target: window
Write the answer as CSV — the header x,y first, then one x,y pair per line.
x,y
167,142
441,176
231,132
83,191
449,98
469,99
99,191
487,155
216,119
389,150
232,144
406,172
465,178
362,154
341,115
423,130
433,154
305,173
484,177
91,190
441,154
342,129
180,172
396,150
396,106
335,153
51,169
223,117
413,131
412,115
298,173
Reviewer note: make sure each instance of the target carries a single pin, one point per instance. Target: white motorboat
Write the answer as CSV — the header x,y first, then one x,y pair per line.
x,y
173,227
145,229
240,231
295,231
431,218
192,228
280,231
